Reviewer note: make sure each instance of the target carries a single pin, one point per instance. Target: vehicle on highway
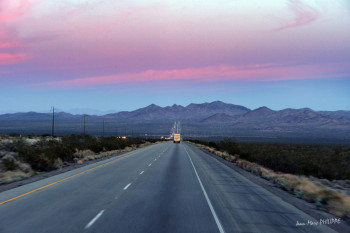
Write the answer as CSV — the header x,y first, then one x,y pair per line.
x,y
177,138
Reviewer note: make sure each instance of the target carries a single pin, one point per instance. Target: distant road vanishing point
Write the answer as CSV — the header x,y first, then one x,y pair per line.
x,y
165,187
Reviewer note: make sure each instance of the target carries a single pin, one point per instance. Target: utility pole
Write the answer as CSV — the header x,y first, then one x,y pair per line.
x,y
84,124
53,122
103,128
182,132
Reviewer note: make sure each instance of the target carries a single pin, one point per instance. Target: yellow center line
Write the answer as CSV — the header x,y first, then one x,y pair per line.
x,y
67,178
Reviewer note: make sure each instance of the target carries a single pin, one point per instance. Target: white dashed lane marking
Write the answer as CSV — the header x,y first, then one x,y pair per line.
x,y
127,186
94,219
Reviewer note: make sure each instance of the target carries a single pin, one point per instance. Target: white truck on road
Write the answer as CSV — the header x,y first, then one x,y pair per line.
x,y
177,138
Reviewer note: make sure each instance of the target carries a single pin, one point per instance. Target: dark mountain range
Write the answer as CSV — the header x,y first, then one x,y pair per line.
x,y
295,117
216,119
259,113
38,116
339,114
24,115
194,112
219,118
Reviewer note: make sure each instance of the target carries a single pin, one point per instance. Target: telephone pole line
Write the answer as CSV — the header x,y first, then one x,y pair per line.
x,y
103,128
84,124
53,122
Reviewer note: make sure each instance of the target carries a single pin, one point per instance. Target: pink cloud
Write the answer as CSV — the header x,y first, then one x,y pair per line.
x,y
11,10
9,58
303,14
9,40
4,17
8,44
257,72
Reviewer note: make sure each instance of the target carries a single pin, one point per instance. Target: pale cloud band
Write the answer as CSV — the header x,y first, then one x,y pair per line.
x,y
257,72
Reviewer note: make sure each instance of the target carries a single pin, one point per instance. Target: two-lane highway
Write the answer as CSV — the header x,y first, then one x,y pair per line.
x,y
162,188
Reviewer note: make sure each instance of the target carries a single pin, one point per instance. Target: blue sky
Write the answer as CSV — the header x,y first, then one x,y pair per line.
x,y
321,94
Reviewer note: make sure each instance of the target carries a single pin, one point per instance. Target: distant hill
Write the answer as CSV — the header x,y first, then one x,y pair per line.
x,y
37,116
262,112
215,119
295,117
194,112
219,117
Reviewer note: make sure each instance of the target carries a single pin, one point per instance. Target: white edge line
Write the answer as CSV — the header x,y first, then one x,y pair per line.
x,y
94,219
126,186
218,223
142,172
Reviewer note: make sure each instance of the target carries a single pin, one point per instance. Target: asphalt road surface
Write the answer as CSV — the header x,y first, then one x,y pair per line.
x,y
165,187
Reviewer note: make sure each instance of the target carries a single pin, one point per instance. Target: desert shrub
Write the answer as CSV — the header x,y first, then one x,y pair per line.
x,y
24,167
323,161
57,150
11,176
325,197
50,153
334,203
229,145
14,146
319,160
9,163
89,158
213,145
83,153
30,156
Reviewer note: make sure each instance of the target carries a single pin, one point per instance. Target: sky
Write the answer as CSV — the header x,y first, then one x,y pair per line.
x,y
112,55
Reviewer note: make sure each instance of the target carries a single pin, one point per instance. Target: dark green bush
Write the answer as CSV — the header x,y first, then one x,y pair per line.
x,y
319,160
9,163
228,145
14,146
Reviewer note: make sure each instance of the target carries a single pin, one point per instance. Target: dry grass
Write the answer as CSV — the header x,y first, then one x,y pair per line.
x,y
128,148
12,176
109,153
87,155
12,169
80,161
147,144
83,153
